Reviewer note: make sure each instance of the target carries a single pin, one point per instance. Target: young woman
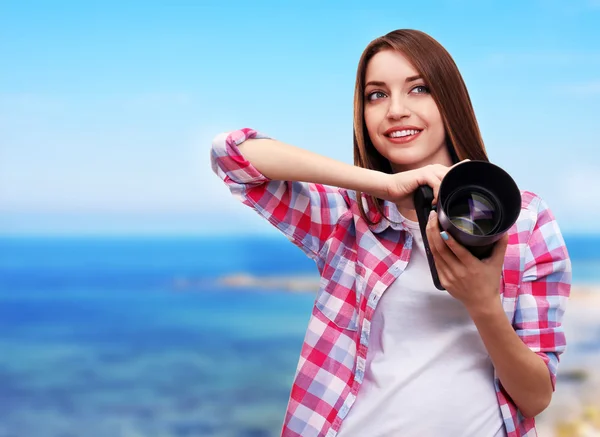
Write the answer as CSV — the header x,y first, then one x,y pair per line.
x,y
386,353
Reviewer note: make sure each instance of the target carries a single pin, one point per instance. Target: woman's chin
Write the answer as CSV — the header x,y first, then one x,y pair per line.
x,y
405,163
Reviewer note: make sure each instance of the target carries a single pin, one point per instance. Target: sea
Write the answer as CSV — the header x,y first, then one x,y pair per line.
x,y
137,337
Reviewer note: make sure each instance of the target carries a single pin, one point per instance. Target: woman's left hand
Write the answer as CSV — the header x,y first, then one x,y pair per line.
x,y
472,281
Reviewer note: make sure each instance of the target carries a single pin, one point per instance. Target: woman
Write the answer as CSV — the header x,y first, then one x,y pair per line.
x,y
386,353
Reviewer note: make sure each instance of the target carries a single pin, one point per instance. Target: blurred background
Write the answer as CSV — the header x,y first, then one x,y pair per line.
x,y
137,297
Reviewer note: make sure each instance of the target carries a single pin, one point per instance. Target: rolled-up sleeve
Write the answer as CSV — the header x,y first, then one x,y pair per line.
x,y
227,160
306,213
544,291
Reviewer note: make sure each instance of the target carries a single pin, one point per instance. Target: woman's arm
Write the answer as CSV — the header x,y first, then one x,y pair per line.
x,y
287,186
543,294
280,161
299,191
525,352
521,371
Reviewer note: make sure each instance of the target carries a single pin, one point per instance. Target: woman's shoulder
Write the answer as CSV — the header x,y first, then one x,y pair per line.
x,y
532,207
530,200
535,217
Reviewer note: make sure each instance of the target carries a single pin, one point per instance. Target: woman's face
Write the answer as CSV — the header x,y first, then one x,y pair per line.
x,y
403,121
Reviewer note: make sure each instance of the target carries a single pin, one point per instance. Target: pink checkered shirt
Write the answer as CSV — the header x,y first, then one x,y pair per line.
x,y
358,262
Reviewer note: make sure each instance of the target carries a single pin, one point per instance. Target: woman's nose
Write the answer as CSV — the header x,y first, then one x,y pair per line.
x,y
398,108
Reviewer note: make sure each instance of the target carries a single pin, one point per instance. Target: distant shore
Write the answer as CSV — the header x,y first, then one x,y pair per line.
x,y
575,408
310,283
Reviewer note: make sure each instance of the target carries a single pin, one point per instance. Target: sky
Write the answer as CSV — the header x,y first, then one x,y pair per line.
x,y
108,109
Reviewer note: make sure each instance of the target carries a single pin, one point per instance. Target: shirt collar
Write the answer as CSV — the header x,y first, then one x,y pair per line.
x,y
392,217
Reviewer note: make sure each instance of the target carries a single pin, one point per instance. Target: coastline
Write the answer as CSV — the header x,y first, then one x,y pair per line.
x,y
590,293
575,407
306,283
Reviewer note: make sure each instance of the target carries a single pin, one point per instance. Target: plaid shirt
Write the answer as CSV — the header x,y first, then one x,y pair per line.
x,y
358,262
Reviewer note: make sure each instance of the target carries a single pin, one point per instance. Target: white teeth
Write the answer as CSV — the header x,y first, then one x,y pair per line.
x,y
403,133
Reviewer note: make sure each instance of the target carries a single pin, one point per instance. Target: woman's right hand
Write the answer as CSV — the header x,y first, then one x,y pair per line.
x,y
401,186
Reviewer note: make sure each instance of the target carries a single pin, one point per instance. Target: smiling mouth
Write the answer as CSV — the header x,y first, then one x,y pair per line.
x,y
404,136
404,133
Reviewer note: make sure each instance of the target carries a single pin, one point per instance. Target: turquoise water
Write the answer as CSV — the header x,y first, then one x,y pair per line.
x,y
98,339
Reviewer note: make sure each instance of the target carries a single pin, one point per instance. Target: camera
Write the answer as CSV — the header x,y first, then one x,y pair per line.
x,y
478,202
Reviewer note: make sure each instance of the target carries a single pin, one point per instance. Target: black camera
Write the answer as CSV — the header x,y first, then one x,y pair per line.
x,y
477,203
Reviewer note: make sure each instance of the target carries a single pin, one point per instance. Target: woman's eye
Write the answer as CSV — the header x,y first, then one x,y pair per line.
x,y
421,89
375,95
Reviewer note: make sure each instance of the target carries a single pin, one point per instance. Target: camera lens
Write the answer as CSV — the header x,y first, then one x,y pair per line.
x,y
474,210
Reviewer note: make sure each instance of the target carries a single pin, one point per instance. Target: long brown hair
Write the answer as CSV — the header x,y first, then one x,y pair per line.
x,y
447,88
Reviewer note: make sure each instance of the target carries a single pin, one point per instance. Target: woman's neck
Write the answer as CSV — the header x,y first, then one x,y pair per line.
x,y
408,213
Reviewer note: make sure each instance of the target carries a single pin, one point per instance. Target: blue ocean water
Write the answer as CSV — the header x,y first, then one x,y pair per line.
x,y
99,338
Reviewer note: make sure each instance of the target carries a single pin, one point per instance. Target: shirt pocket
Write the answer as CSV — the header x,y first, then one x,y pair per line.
x,y
336,298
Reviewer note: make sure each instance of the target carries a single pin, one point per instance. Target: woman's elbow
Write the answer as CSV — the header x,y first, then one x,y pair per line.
x,y
535,408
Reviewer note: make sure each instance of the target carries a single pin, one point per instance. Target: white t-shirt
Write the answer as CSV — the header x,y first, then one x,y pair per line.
x,y
427,373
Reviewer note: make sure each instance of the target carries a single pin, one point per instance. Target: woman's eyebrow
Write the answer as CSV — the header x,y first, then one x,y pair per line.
x,y
407,80
375,83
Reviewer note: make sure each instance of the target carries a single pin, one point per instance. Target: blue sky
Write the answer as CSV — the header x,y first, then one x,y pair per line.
x,y
107,110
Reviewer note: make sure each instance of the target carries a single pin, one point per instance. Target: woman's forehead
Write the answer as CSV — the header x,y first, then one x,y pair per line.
x,y
389,65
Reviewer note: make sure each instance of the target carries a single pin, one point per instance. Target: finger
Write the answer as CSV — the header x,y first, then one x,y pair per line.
x,y
499,251
435,239
440,172
433,181
461,252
